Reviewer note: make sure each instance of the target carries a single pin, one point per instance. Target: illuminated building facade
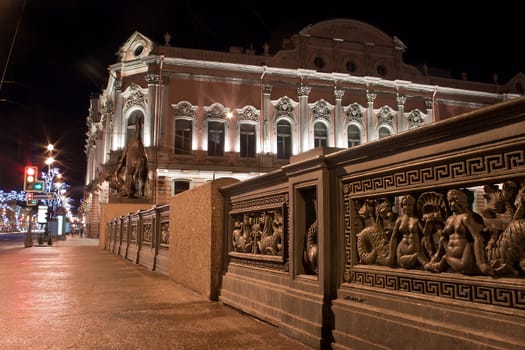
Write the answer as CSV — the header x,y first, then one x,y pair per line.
x,y
206,114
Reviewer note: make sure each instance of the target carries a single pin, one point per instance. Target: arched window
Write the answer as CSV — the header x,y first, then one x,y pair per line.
x,y
284,140
320,135
183,132
247,140
132,125
215,138
384,132
354,135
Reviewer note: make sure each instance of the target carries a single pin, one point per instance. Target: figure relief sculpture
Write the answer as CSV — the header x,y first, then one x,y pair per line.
x,y
259,233
463,238
135,162
441,233
311,250
506,249
376,242
242,235
272,234
408,252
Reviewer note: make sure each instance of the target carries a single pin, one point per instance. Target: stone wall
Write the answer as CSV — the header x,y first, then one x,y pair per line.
x,y
197,238
350,275
114,210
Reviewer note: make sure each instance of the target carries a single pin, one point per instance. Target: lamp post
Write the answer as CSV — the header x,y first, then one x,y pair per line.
x,y
51,172
29,240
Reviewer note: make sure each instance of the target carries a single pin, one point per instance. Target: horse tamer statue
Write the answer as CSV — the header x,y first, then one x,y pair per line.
x,y
135,161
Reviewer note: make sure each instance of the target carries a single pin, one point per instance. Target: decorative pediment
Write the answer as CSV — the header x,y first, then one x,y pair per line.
x,y
135,96
385,115
321,110
354,113
284,106
415,118
215,111
184,108
137,46
248,113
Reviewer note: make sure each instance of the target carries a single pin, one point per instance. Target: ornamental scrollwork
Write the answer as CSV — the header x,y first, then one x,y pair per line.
x,y
185,109
215,111
353,113
385,115
321,110
248,113
415,118
285,107
135,98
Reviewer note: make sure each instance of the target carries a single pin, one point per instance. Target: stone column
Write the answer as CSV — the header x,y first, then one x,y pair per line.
x,y
430,111
371,132
152,119
117,136
401,124
303,138
266,119
339,119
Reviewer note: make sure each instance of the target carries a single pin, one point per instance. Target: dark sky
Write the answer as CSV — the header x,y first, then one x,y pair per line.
x,y
62,49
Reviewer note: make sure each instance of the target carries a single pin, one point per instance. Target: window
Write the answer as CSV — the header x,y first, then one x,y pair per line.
x,y
383,132
319,62
180,186
320,135
354,136
284,140
247,140
183,131
381,70
215,138
132,125
351,66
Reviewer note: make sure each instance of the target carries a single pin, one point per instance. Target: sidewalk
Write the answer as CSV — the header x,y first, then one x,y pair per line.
x,y
74,295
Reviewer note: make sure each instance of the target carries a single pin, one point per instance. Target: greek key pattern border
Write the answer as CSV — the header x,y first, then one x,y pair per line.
x,y
259,203
500,163
278,266
502,295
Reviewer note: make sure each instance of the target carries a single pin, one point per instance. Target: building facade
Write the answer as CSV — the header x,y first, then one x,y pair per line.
x,y
207,115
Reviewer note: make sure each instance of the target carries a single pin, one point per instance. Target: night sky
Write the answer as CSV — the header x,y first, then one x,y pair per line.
x,y
60,53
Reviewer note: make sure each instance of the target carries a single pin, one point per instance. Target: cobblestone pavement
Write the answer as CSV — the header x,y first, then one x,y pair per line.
x,y
75,295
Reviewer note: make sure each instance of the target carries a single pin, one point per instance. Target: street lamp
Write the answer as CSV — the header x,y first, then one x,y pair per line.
x,y
29,240
49,177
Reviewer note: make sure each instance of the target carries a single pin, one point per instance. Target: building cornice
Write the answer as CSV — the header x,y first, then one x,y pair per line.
x,y
339,79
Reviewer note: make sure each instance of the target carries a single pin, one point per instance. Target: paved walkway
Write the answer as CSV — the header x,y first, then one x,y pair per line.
x,y
74,295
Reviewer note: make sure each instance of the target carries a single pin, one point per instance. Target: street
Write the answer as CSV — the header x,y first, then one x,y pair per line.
x,y
74,295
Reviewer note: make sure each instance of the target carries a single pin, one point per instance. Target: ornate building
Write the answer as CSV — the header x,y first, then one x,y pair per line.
x,y
205,114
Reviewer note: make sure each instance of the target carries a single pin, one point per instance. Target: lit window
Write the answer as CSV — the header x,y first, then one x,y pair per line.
x,y
215,138
247,140
354,136
183,131
320,135
132,125
383,132
284,140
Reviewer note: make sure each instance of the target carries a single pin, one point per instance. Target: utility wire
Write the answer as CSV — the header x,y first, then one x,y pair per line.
x,y
12,45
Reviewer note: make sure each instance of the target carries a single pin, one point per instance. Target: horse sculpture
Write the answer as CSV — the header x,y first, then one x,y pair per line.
x,y
135,161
